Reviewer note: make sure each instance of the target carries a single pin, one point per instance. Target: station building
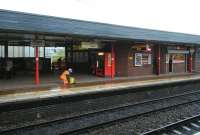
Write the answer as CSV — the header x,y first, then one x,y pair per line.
x,y
96,50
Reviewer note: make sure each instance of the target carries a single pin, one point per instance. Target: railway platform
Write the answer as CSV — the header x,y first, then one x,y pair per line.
x,y
34,93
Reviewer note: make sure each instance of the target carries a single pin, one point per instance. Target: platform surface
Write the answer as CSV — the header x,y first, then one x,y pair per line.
x,y
25,95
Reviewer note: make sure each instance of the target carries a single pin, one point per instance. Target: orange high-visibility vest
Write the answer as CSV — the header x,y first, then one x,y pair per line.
x,y
63,76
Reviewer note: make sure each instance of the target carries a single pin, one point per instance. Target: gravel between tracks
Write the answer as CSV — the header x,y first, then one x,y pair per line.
x,y
143,123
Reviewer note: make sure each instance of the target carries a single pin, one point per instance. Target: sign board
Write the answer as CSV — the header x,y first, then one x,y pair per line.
x,y
139,47
143,47
35,43
92,45
146,58
149,59
178,51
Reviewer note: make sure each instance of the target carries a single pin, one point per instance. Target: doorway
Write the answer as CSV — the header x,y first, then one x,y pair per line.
x,y
170,63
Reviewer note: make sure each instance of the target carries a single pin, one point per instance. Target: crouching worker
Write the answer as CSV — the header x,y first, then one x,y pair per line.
x,y
64,77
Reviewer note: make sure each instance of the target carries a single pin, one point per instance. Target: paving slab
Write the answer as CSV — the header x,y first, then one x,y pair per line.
x,y
16,96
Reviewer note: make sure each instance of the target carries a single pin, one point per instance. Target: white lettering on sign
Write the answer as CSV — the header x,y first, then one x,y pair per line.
x,y
87,45
37,43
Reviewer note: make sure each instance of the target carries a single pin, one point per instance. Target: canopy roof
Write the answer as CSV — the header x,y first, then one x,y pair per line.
x,y
25,22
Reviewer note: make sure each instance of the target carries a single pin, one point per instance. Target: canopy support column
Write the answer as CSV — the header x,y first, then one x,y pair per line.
x,y
190,63
112,62
37,80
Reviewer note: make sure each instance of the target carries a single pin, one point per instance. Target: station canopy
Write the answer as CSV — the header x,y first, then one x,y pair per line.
x,y
19,22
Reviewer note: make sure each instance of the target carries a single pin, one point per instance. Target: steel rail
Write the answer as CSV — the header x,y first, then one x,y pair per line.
x,y
175,124
183,95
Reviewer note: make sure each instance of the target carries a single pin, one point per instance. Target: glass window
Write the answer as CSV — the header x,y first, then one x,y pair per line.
x,y
179,58
20,54
10,51
2,51
41,51
15,51
32,52
27,51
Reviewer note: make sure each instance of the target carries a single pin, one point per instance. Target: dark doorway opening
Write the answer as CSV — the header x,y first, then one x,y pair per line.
x,y
170,63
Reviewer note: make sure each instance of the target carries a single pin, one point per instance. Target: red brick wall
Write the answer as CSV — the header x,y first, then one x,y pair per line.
x,y
125,61
163,60
138,71
121,58
196,60
178,67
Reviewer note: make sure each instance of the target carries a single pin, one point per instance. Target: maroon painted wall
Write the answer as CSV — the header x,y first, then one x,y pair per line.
x,y
121,58
179,68
138,71
196,60
125,61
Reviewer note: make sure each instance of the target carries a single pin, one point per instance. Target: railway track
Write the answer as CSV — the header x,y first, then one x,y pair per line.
x,y
106,117
188,126
99,127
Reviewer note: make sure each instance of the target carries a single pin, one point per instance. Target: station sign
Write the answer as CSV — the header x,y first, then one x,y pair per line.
x,y
36,43
142,47
90,45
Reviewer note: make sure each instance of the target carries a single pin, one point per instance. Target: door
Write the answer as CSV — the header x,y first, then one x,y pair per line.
x,y
100,64
109,64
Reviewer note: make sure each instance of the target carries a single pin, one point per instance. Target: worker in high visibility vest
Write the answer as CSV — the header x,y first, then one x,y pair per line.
x,y
64,77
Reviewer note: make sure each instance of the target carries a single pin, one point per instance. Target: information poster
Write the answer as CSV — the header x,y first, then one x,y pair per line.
x,y
149,58
145,58
138,59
